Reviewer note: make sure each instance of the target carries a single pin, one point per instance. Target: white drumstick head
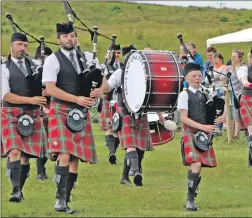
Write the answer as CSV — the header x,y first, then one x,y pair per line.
x,y
170,125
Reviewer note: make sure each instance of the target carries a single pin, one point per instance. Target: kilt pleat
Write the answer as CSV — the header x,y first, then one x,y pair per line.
x,y
33,145
246,111
191,155
134,133
62,140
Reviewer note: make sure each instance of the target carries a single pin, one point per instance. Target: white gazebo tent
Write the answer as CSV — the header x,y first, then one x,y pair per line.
x,y
240,36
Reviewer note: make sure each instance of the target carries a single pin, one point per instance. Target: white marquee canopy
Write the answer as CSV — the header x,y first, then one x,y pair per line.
x,y
240,36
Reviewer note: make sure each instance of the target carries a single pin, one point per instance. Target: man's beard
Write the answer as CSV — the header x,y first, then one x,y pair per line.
x,y
19,56
68,48
65,47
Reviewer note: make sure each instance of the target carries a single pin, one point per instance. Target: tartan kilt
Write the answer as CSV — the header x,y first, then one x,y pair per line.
x,y
62,140
246,111
107,114
134,134
191,155
33,145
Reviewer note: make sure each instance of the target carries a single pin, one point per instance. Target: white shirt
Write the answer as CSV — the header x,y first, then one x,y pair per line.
x,y
242,72
6,74
51,66
115,79
183,99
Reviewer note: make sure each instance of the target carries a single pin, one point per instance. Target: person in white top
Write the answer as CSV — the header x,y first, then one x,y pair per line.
x,y
70,136
236,59
244,74
23,133
134,133
193,113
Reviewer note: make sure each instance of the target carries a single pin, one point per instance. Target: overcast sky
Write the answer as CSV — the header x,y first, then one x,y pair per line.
x,y
216,4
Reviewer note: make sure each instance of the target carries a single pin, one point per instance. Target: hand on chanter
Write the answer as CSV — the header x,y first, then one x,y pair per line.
x,y
85,101
38,100
208,128
96,93
220,119
44,93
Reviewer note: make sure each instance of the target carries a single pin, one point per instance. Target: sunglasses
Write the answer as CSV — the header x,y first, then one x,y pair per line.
x,y
118,52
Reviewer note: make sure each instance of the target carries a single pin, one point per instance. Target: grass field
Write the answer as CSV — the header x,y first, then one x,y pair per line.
x,y
224,191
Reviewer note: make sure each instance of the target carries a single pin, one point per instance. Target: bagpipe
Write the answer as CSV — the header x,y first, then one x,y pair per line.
x,y
109,64
108,69
34,80
214,106
25,125
91,76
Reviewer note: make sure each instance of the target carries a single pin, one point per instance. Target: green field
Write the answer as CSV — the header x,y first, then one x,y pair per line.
x,y
224,191
142,25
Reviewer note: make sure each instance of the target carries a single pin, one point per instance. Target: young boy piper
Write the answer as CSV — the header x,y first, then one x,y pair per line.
x,y
192,107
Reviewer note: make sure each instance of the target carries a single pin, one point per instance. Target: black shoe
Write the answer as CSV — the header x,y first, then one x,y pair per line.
x,y
45,176
16,195
60,204
112,158
125,181
191,206
69,210
40,177
138,179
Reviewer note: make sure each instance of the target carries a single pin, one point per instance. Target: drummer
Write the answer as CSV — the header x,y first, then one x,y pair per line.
x,y
134,133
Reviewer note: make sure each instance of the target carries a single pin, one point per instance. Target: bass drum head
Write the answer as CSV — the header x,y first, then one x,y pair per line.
x,y
154,117
159,134
134,82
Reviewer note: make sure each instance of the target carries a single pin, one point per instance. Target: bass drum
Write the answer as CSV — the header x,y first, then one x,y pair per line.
x,y
159,134
151,81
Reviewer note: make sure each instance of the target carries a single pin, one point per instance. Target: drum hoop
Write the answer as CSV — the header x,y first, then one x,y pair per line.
x,y
122,81
179,75
147,96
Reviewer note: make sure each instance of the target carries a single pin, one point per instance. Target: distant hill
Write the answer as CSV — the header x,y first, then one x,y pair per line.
x,y
143,25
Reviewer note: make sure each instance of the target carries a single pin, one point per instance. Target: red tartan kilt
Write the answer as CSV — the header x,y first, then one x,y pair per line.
x,y
191,155
62,140
246,111
107,115
134,135
33,145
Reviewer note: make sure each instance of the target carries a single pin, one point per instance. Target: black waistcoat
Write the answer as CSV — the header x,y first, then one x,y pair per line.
x,y
67,78
197,107
19,84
